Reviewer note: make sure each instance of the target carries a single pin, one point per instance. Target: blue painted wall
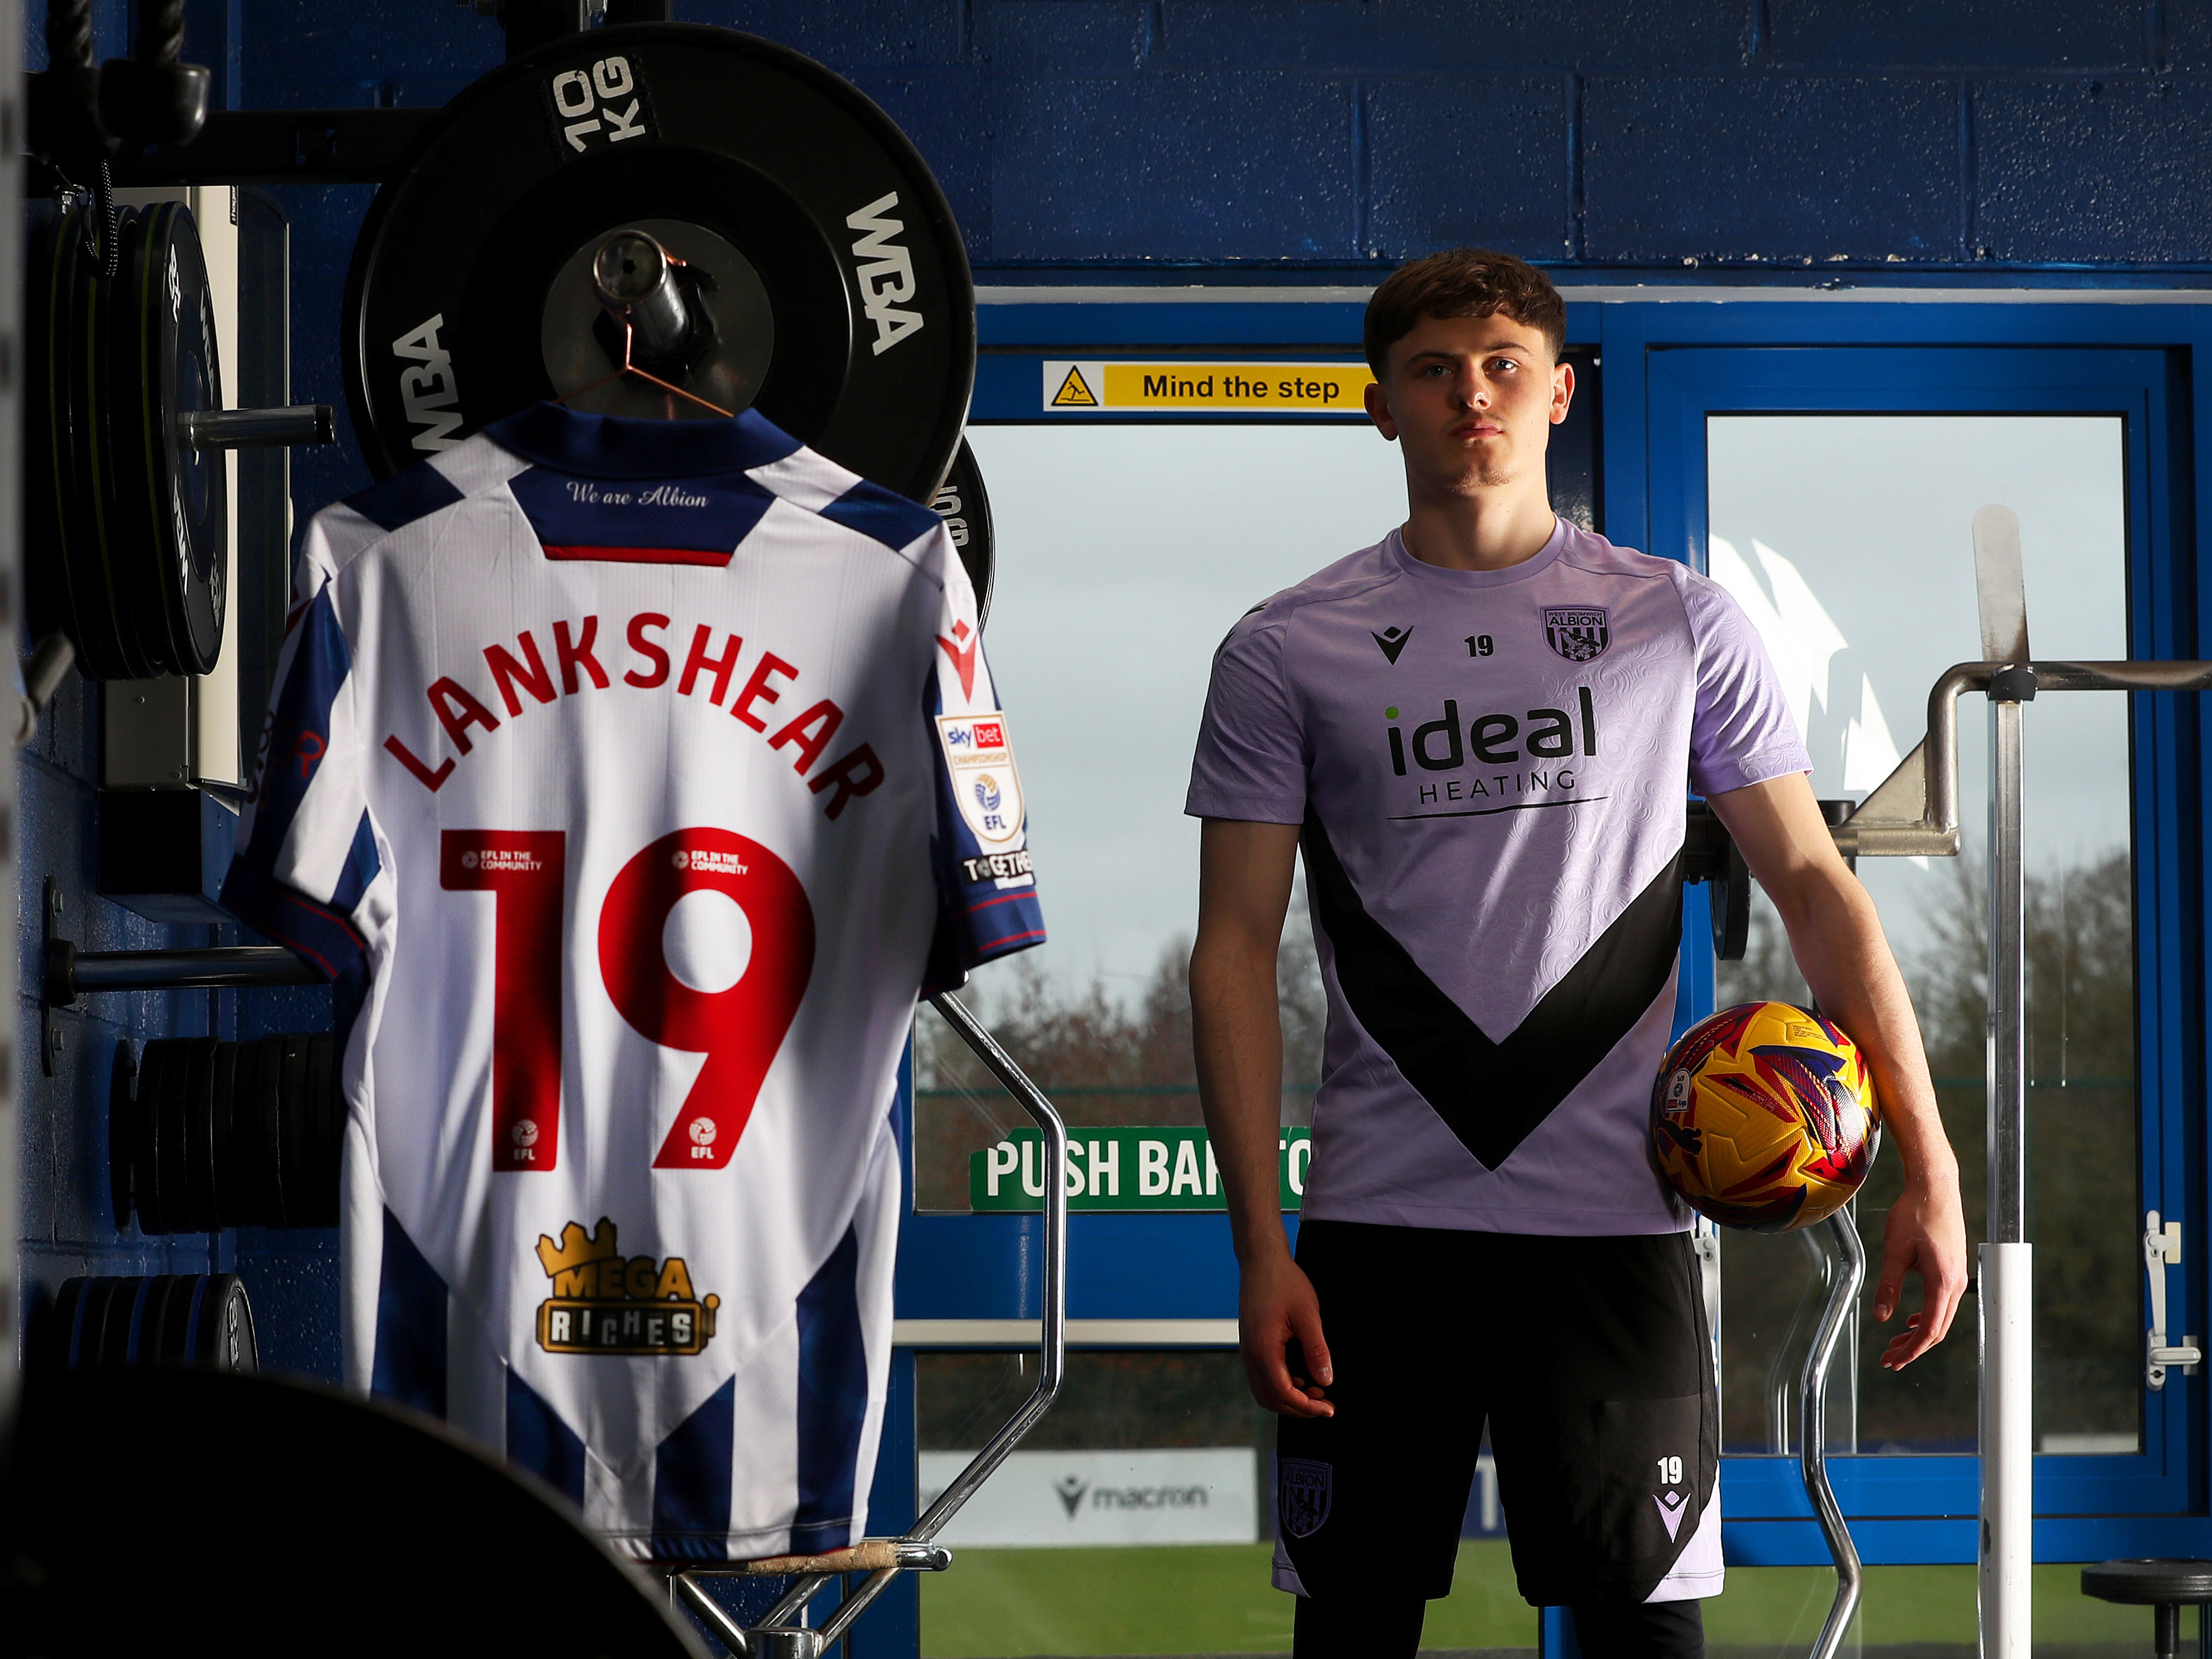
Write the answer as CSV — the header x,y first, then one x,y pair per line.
x,y
1630,134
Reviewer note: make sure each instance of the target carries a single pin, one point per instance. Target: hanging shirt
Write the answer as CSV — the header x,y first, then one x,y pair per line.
x,y
632,778
1490,767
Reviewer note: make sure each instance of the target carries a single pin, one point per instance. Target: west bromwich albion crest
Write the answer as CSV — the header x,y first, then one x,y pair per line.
x,y
1302,1489
1577,633
980,760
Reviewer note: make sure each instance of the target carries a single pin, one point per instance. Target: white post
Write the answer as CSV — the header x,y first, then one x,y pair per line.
x,y
2007,1278
2008,1291
2007,1262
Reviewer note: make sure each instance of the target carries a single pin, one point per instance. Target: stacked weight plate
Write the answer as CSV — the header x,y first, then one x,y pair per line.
x,y
128,520
226,1134
960,502
168,1319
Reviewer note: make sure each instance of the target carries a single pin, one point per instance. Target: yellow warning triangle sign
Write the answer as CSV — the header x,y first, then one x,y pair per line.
x,y
1073,393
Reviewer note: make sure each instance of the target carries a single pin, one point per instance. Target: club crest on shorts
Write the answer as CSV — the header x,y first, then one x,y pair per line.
x,y
985,786
1302,1495
1579,633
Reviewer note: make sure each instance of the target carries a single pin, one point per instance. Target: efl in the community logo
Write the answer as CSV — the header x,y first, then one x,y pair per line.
x,y
1302,1494
1577,633
602,1304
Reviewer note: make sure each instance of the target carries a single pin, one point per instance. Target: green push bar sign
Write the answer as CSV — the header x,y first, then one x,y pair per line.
x,y
1153,1171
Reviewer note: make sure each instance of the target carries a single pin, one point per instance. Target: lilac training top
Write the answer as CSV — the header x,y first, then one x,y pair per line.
x,y
1490,768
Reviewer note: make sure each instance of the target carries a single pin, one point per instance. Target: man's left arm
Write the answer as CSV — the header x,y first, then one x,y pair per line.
x,y
1838,940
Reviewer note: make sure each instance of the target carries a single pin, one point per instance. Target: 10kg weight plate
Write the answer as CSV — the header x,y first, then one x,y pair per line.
x,y
871,333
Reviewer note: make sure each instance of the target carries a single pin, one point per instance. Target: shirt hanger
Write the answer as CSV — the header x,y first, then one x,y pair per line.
x,y
631,271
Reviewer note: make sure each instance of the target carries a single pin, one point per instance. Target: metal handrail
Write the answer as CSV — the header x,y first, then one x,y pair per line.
x,y
774,1637
1915,811
1052,1365
1812,1429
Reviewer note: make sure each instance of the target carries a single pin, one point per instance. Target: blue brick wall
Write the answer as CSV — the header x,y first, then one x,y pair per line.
x,y
1345,135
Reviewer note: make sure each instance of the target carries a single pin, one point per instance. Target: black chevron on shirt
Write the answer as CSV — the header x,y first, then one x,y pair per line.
x,y
1493,1094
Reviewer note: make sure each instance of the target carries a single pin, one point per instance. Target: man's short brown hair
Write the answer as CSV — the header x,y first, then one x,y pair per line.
x,y
1463,282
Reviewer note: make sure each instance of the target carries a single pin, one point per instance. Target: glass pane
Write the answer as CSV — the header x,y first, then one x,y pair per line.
x,y
1847,538
1125,554
1138,1517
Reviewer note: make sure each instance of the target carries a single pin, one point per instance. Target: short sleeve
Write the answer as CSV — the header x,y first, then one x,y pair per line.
x,y
1250,762
307,850
1742,732
987,890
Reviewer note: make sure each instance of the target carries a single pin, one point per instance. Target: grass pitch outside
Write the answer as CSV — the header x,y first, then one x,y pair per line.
x,y
1216,1599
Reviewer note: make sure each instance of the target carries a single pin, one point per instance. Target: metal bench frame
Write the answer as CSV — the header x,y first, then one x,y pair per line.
x,y
780,1633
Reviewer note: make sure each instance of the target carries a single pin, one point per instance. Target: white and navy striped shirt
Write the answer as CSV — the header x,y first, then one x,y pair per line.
x,y
631,779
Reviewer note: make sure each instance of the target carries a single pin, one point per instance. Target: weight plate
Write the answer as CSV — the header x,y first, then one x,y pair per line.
x,y
164,1318
966,510
324,1120
223,1333
63,1331
172,1145
166,512
254,1132
738,140
73,585
122,1129
118,1330
294,1180
87,1333
146,1153
222,1149
197,1113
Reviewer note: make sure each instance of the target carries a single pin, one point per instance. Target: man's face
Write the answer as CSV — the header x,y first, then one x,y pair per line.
x,y
1472,401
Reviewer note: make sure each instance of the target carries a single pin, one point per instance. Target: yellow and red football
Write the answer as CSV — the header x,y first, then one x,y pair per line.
x,y
1764,1117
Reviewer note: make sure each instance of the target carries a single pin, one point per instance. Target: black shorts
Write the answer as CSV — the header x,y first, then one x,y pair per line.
x,y
1588,1357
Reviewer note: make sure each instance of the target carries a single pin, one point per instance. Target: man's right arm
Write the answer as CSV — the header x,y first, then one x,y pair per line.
x,y
1244,878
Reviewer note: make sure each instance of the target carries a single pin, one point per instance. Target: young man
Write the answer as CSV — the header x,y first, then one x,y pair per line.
x,y
1480,732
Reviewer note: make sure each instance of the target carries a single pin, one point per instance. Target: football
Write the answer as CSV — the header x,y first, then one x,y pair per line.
x,y
1762,1117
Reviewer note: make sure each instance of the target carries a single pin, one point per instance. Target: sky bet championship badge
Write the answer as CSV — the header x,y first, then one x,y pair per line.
x,y
984,782
1577,633
603,1304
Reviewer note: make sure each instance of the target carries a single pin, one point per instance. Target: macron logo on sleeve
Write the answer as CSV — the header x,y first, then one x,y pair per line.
x,y
962,655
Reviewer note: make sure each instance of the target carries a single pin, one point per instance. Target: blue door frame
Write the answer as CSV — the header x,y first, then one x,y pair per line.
x,y
1761,1496
1665,365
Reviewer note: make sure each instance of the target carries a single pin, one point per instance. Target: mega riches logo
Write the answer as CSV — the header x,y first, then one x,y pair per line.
x,y
604,1304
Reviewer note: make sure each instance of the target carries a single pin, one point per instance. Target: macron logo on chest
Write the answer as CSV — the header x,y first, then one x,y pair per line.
x,y
692,521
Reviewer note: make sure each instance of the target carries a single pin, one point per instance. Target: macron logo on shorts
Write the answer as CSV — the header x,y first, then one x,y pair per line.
x,y
1672,1507
1302,1489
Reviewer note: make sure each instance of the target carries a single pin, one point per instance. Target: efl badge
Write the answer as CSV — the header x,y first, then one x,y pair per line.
x,y
1577,633
1303,1487
603,1304
981,763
